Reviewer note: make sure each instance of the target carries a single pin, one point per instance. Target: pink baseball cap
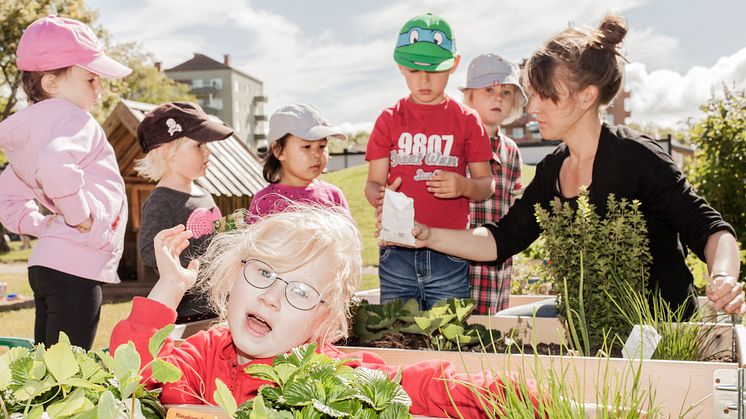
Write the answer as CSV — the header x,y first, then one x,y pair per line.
x,y
56,42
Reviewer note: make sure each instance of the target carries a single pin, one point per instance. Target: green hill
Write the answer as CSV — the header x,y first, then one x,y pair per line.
x,y
352,181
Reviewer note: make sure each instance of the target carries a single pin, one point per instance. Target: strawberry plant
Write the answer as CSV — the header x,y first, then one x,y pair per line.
x,y
306,384
67,381
373,321
444,325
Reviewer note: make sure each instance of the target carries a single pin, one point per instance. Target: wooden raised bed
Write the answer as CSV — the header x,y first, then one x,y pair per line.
x,y
677,384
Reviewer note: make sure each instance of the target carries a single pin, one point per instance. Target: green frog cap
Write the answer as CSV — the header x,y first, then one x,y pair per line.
x,y
426,43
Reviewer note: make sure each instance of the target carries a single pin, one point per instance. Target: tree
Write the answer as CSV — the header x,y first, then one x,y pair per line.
x,y
359,138
145,84
719,169
15,16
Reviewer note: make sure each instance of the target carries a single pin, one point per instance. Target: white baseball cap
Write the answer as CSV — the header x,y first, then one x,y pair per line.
x,y
491,70
303,121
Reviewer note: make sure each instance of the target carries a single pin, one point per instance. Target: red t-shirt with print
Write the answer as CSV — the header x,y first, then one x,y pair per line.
x,y
420,139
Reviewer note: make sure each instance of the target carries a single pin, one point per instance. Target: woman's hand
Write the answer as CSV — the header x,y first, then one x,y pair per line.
x,y
174,279
726,292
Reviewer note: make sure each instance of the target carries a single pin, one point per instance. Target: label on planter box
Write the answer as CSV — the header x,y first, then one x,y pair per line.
x,y
182,413
641,342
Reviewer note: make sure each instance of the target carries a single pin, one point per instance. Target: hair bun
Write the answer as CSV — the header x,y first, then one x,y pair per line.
x,y
611,31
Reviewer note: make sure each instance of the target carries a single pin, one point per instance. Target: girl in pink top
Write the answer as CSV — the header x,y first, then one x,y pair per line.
x,y
60,157
296,157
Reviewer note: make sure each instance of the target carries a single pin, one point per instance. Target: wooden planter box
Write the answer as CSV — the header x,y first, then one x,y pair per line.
x,y
677,384
197,411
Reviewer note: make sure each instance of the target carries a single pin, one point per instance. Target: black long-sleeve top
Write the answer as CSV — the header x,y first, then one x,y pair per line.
x,y
631,166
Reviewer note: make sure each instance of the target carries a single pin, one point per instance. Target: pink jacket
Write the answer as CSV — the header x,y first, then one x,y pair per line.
x,y
60,156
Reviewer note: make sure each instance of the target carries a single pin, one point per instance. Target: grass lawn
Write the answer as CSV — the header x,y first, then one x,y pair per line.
x,y
21,322
17,283
16,254
351,181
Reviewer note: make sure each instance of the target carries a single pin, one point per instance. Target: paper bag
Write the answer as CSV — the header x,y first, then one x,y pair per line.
x,y
397,220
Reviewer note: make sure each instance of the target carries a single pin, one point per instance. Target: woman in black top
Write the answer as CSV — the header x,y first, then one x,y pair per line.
x,y
572,79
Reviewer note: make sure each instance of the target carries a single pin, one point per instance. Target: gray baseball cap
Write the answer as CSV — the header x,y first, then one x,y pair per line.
x,y
490,70
303,121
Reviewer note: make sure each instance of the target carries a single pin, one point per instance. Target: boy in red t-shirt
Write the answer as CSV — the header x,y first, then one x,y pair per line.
x,y
422,147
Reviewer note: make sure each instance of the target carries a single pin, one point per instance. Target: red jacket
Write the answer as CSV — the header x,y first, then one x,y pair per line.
x,y
211,354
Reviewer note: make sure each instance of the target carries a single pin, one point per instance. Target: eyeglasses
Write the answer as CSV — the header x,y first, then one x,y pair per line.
x,y
261,275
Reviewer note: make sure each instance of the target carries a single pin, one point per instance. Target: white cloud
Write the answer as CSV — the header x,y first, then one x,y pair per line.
x,y
352,78
667,98
656,51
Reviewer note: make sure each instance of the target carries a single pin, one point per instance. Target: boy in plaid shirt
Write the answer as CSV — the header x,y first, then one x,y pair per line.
x,y
494,91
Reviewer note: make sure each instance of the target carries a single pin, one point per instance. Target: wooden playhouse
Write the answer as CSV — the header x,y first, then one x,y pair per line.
x,y
233,177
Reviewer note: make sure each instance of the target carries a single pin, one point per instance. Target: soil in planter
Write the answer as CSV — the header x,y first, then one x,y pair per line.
x,y
419,342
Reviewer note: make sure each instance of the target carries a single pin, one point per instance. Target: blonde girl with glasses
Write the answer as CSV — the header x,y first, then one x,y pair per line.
x,y
285,281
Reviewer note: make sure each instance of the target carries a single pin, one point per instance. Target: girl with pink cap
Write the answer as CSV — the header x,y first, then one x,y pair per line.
x,y
59,156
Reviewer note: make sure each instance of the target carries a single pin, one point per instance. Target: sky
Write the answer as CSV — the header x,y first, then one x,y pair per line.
x,y
337,55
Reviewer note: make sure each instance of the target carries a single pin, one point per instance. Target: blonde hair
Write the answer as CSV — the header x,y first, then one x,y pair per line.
x,y
515,112
288,240
155,164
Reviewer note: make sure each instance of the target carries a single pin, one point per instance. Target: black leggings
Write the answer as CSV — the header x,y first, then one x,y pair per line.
x,y
64,303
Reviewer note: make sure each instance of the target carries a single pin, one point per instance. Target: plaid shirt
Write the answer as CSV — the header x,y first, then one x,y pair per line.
x,y
490,284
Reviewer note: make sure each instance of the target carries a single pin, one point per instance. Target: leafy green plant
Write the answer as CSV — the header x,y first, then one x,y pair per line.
x,y
610,251
445,325
373,321
719,140
305,384
65,380
446,328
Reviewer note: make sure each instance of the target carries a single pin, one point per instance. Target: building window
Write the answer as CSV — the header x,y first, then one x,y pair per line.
x,y
197,83
238,106
518,132
236,86
216,103
216,83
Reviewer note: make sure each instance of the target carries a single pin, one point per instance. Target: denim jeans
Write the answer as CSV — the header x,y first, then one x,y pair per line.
x,y
423,274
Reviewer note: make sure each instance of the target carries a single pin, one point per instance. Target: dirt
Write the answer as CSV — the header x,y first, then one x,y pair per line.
x,y
419,342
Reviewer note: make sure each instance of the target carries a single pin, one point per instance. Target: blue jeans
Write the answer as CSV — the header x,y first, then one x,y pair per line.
x,y
423,274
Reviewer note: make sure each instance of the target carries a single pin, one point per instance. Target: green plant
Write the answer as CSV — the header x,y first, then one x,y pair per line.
x,y
446,328
529,277
609,251
444,325
682,338
720,157
373,321
618,393
68,381
305,384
